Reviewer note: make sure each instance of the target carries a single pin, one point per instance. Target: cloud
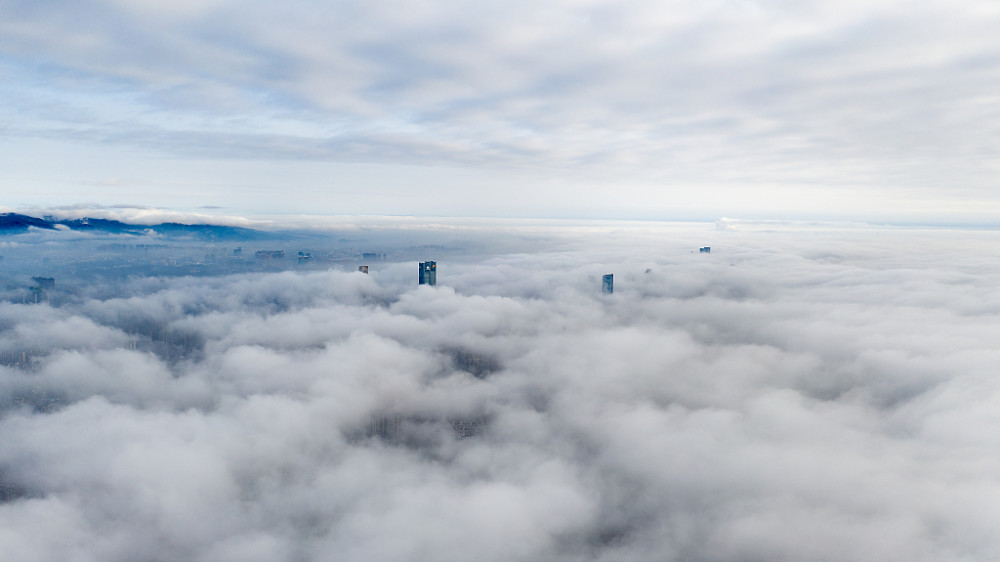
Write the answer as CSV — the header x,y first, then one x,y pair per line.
x,y
801,392
139,214
808,101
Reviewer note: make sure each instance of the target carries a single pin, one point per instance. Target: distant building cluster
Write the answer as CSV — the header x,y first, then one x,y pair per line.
x,y
305,257
270,254
387,428
405,430
372,256
705,250
40,290
469,427
414,427
476,364
15,358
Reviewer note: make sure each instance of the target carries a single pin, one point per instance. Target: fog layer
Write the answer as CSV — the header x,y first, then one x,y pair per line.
x,y
792,395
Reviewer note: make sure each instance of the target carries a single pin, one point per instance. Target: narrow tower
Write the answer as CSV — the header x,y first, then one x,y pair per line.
x,y
428,273
608,284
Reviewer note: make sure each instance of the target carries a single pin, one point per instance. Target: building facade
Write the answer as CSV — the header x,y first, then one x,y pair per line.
x,y
428,273
608,284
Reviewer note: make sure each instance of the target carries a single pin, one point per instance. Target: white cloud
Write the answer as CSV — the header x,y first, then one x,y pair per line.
x,y
801,392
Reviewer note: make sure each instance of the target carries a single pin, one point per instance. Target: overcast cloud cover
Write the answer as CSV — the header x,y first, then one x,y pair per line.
x,y
797,394
874,110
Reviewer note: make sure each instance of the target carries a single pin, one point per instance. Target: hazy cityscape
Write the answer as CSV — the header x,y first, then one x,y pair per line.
x,y
801,391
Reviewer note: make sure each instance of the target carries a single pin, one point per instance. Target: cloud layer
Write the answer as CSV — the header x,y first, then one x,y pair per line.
x,y
886,101
796,394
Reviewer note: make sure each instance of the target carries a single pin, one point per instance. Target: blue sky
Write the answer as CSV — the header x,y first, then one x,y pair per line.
x,y
876,110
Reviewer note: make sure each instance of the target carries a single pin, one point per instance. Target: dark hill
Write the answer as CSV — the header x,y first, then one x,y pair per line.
x,y
14,223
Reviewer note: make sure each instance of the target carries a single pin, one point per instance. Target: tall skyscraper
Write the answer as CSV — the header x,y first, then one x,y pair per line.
x,y
608,284
428,273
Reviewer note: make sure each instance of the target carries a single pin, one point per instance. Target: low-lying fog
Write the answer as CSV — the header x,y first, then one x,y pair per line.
x,y
799,393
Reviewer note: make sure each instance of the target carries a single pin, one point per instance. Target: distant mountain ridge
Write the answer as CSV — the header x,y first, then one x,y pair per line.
x,y
20,223
15,223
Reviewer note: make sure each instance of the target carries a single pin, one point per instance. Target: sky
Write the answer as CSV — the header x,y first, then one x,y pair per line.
x,y
800,393
882,110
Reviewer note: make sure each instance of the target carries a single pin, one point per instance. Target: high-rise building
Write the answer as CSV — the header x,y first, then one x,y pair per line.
x,y
389,428
363,268
705,250
428,273
608,284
